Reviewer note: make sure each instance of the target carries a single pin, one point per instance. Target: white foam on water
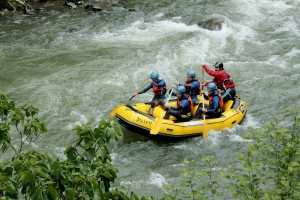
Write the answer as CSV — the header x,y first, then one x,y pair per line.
x,y
276,60
178,165
293,53
82,119
250,81
214,137
59,151
157,179
238,138
250,121
182,146
256,9
154,179
289,26
142,31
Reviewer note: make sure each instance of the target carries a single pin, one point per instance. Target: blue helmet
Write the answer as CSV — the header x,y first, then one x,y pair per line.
x,y
181,89
211,86
191,73
154,75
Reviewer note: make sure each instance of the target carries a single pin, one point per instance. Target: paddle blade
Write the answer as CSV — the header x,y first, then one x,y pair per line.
x,y
205,130
157,124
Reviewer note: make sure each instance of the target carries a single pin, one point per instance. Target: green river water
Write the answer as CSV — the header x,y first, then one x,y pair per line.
x,y
77,66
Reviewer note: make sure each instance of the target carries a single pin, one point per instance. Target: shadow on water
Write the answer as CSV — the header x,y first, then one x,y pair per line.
x,y
130,136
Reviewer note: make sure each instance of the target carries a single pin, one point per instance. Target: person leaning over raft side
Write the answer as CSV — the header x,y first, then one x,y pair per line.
x,y
192,86
222,79
214,109
159,90
183,110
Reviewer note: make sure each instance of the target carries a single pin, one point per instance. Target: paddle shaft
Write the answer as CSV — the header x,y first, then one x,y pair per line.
x,y
135,95
156,126
131,97
202,77
164,112
204,132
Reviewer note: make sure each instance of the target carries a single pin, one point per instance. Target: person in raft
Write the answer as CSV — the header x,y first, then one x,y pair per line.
x,y
214,109
192,86
183,110
222,79
159,90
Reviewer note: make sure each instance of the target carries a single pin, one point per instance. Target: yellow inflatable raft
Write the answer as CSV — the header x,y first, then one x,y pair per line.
x,y
135,118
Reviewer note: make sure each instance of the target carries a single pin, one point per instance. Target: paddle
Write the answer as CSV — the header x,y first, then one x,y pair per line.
x,y
136,95
131,97
204,132
156,126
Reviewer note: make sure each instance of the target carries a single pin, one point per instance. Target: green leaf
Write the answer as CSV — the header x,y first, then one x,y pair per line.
x,y
26,179
70,193
10,188
90,154
71,153
8,171
35,193
89,189
52,194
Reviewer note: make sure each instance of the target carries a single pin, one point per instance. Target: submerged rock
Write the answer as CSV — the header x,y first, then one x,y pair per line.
x,y
70,4
213,24
93,8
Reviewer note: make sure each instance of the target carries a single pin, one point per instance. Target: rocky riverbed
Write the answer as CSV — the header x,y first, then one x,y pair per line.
x,y
34,6
30,7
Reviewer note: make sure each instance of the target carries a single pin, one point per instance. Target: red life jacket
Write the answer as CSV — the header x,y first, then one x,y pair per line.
x,y
188,87
221,103
225,82
159,90
191,103
228,83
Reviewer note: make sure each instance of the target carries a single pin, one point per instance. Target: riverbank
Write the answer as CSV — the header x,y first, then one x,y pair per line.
x,y
8,7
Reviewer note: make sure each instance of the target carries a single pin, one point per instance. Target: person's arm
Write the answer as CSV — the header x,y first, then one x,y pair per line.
x,y
216,74
204,95
145,89
212,81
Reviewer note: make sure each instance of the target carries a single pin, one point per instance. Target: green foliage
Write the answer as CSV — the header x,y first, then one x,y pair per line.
x,y
201,184
89,161
86,173
270,169
23,119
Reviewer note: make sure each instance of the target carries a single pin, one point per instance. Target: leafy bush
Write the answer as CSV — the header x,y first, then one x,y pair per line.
x,y
86,173
269,169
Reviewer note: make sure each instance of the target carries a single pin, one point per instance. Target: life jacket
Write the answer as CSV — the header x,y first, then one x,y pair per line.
x,y
228,83
179,101
195,91
221,103
159,90
225,82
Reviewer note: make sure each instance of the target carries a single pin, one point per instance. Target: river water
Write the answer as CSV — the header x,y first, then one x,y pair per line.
x,y
77,66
